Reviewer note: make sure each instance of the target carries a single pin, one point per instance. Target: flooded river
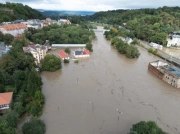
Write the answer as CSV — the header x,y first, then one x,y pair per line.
x,y
83,98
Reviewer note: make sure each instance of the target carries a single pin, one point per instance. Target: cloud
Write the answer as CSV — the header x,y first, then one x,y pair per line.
x,y
95,5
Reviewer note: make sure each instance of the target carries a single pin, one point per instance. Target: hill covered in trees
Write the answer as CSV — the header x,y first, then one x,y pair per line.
x,y
13,11
147,24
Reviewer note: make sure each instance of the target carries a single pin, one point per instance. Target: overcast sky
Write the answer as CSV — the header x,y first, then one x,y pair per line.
x,y
95,5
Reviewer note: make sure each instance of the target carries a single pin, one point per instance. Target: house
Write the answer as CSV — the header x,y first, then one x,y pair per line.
x,y
82,53
63,55
5,100
166,72
13,29
38,51
3,48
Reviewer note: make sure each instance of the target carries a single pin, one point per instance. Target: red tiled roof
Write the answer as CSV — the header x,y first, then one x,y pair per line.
x,y
13,26
5,98
62,54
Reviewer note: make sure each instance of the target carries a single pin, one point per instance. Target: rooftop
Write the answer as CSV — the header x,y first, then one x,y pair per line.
x,y
13,26
62,54
5,98
173,70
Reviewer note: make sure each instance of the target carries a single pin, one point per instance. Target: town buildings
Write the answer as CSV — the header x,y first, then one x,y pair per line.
x,y
81,53
166,72
38,51
13,29
68,45
5,100
63,55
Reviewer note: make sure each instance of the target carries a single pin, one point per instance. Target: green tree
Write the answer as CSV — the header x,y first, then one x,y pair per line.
x,y
34,127
67,50
51,63
8,38
148,127
89,47
132,52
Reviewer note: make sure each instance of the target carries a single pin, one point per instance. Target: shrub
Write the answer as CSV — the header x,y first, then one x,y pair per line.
x,y
76,61
67,50
66,61
34,127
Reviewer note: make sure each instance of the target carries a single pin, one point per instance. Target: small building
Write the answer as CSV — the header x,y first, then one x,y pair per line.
x,y
82,53
166,72
63,55
155,45
5,100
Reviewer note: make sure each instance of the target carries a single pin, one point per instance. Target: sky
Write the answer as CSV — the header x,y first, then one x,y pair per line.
x,y
94,5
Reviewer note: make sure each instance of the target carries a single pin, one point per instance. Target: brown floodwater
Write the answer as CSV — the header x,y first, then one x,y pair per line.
x,y
83,98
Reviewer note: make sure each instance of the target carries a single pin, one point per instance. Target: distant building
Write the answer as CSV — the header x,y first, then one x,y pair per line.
x,y
38,51
64,21
63,55
13,29
166,72
128,40
82,53
5,100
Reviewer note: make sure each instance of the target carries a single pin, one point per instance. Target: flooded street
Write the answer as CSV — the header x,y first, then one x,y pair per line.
x,y
83,98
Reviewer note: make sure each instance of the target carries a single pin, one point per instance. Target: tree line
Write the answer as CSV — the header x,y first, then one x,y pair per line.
x,y
20,11
18,75
152,25
61,34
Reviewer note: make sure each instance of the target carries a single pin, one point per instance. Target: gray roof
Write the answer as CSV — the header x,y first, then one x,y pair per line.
x,y
80,53
174,70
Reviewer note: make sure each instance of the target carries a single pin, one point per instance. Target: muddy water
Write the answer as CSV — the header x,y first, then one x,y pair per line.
x,y
83,98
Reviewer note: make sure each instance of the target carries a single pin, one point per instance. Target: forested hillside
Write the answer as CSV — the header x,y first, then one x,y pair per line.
x,y
147,24
13,11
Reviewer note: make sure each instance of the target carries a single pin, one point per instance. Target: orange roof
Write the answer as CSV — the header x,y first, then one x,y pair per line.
x,y
5,98
86,51
13,26
62,54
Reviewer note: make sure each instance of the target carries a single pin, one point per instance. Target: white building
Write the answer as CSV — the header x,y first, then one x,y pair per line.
x,y
38,51
13,29
156,46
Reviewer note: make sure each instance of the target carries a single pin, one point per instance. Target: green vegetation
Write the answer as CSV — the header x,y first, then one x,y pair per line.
x,y
106,26
153,51
152,25
7,38
66,61
148,127
67,50
18,75
34,127
129,50
92,26
64,34
13,11
50,63
89,47
8,123
76,61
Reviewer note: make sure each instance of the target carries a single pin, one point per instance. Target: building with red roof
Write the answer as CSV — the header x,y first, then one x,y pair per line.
x,y
5,100
63,55
13,29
